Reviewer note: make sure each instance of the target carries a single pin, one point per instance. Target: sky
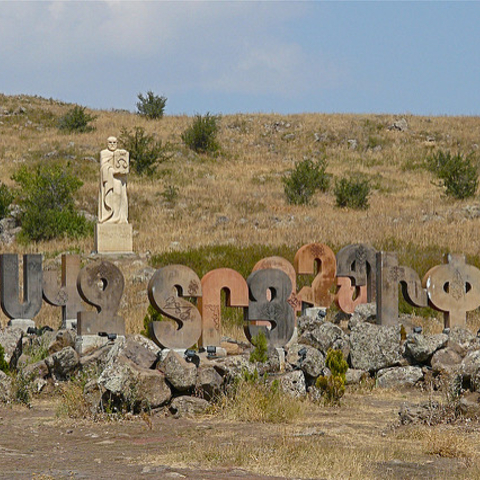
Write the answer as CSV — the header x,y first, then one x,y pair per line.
x,y
222,57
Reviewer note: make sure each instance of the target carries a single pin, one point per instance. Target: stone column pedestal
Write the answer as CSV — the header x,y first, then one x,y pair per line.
x,y
23,323
113,238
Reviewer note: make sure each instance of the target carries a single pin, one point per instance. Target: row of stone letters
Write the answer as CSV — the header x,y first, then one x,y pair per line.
x,y
269,296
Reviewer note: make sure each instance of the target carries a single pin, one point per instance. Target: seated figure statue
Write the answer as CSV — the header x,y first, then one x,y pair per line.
x,y
114,167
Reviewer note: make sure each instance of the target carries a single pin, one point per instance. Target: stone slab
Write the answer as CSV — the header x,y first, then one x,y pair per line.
x,y
84,343
22,323
113,238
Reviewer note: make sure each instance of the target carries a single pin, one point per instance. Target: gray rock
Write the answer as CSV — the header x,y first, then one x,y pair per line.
x,y
62,339
36,370
143,275
63,364
275,361
469,405
152,390
445,360
11,341
5,387
397,377
470,365
461,339
181,374
420,348
373,347
354,376
235,366
209,382
140,350
308,359
400,125
96,360
293,383
188,406
326,336
365,312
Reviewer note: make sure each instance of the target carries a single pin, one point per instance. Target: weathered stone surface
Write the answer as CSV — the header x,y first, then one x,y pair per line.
x,y
470,365
306,358
98,358
275,361
236,365
152,390
355,376
181,374
461,339
326,336
5,387
37,370
420,348
397,377
188,406
11,341
140,350
445,360
118,377
293,383
62,339
373,347
366,312
62,364
209,382
307,323
469,405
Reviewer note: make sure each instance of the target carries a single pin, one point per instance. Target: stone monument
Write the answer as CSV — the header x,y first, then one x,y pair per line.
x,y
113,233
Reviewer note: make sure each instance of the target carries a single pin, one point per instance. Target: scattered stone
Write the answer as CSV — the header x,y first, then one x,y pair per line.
x,y
186,406
307,359
420,348
355,376
461,340
326,336
151,389
5,387
37,370
469,405
181,374
365,312
470,365
11,341
398,377
143,275
445,361
62,339
209,382
400,125
293,383
62,364
374,347
352,144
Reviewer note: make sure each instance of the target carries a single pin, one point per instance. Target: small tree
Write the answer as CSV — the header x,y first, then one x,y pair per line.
x,y
151,106
333,386
145,152
305,179
201,135
76,120
46,198
352,192
260,352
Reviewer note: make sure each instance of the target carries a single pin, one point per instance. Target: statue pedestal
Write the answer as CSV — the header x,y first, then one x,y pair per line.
x,y
113,238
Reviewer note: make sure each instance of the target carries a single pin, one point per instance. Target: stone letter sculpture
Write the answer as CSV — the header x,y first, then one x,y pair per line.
x,y
454,288
114,167
21,313
165,290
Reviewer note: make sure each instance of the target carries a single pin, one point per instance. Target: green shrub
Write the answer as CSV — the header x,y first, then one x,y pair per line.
x,y
47,203
6,198
4,367
305,179
201,135
145,152
458,173
260,352
352,192
151,106
76,120
333,387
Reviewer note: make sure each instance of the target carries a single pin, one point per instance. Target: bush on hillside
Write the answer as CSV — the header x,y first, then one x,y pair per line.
x,y
145,152
305,179
333,386
76,120
46,198
352,192
458,173
6,198
201,135
151,106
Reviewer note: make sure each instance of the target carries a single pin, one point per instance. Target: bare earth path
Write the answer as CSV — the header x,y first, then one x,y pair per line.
x,y
359,439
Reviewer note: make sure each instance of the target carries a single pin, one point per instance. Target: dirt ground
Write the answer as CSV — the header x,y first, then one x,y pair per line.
x,y
37,443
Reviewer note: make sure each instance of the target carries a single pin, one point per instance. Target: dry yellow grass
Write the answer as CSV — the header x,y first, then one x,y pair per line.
x,y
243,183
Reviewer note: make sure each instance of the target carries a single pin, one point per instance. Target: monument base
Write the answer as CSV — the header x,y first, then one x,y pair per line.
x,y
21,323
84,343
113,238
69,324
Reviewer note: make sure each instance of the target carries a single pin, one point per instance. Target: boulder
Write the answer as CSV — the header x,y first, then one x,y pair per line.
x,y
152,390
5,387
37,370
307,359
293,383
236,366
326,336
188,406
397,377
470,365
365,312
63,338
140,350
469,405
181,374
63,364
209,382
445,360
354,376
97,359
373,347
275,361
420,348
11,341
461,340
306,323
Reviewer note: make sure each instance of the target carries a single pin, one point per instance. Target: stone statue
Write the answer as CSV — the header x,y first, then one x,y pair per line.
x,y
114,167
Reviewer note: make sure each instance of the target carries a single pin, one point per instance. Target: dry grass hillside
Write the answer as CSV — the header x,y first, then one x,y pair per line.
x,y
237,197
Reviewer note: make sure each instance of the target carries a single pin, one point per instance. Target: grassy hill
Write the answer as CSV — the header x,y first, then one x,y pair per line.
x,y
236,198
